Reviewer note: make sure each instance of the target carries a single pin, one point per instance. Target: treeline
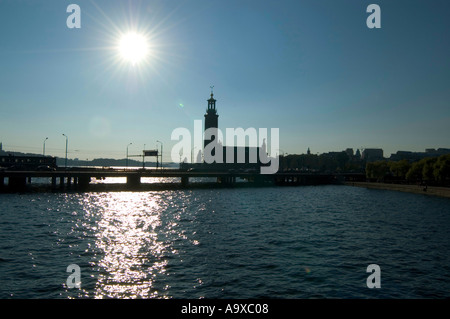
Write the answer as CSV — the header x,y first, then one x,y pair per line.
x,y
432,170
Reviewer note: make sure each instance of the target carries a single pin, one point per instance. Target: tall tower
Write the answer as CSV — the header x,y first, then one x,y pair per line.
x,y
211,119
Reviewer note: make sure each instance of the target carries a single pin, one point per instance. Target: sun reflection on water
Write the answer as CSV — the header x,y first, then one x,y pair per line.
x,y
130,254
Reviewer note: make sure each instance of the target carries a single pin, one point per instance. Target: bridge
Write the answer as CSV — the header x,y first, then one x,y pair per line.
x,y
81,178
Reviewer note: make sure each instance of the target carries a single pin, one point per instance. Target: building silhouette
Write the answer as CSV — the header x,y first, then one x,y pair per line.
x,y
417,156
211,120
372,154
233,157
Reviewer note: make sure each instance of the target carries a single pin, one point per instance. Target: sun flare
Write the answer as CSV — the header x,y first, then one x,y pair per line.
x,y
133,47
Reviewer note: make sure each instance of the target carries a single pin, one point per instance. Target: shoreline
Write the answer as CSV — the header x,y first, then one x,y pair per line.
x,y
416,189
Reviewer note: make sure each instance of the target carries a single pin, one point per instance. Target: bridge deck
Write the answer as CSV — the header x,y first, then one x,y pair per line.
x,y
81,178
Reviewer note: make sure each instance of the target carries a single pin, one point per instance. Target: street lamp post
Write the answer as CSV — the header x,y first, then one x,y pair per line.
x,y
43,148
161,153
143,157
127,153
67,141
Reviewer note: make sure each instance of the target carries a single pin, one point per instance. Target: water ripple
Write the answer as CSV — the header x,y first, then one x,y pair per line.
x,y
293,242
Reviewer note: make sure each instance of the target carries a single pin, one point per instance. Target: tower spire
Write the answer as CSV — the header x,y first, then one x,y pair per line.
x,y
211,102
211,118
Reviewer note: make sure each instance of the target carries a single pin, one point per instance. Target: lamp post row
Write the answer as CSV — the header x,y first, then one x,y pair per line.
x,y
67,142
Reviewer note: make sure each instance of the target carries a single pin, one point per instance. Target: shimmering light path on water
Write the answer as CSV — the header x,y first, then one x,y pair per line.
x,y
291,242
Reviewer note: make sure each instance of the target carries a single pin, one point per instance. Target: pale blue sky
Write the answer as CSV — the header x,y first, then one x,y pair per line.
x,y
311,68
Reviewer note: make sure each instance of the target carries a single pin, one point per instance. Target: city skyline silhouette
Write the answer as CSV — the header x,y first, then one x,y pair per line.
x,y
313,69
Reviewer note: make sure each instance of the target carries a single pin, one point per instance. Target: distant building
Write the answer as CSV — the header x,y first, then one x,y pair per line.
x,y
249,157
372,154
438,152
417,156
349,152
407,155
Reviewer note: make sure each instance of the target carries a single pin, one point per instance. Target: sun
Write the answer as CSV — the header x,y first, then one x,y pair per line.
x,y
133,47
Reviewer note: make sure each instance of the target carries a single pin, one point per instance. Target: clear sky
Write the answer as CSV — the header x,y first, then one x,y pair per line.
x,y
311,68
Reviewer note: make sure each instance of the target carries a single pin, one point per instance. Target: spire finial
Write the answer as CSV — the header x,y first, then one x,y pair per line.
x,y
212,87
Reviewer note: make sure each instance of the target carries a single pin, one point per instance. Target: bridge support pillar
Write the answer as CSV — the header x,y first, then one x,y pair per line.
x,y
184,181
133,180
83,182
53,182
61,182
17,182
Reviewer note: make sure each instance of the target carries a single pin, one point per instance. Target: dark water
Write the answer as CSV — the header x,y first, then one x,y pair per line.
x,y
292,242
